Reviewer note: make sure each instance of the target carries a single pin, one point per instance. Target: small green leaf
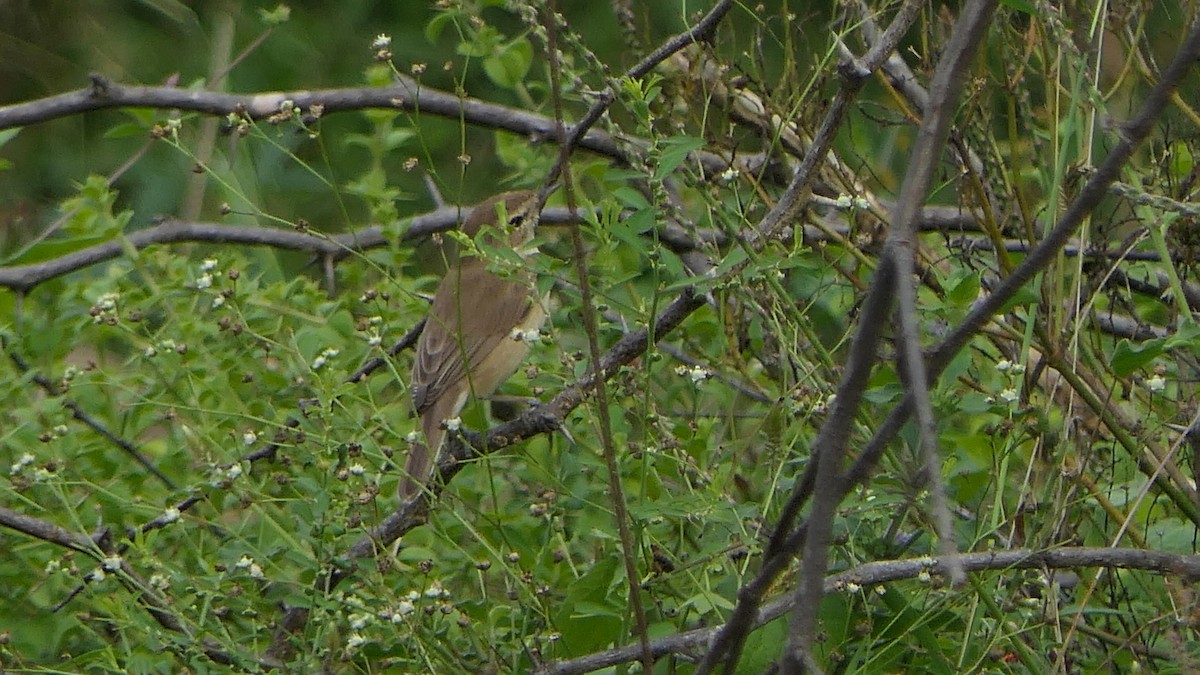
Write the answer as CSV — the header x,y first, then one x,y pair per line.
x,y
1023,297
274,17
1187,336
1129,356
509,66
964,291
7,135
674,153
631,197
1181,160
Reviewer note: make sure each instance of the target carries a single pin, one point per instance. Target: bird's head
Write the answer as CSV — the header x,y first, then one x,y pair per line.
x,y
514,214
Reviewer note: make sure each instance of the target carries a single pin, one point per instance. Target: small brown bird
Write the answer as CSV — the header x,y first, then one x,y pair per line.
x,y
470,344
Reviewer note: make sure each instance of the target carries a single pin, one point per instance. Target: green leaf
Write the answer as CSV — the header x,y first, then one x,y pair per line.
x,y
1180,160
274,17
50,249
483,43
629,230
1021,6
762,647
706,602
125,130
7,135
1186,337
964,291
176,11
1024,297
631,197
675,151
433,29
509,66
1130,356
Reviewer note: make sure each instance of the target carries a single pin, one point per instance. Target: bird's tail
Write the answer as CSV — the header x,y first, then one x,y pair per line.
x,y
418,468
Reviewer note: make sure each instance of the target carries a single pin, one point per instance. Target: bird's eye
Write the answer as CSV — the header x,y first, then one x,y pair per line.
x,y
514,220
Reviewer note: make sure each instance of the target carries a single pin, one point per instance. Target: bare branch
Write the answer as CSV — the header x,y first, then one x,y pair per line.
x,y
871,574
22,278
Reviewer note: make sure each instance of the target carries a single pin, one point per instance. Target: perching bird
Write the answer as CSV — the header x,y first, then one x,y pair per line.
x,y
471,344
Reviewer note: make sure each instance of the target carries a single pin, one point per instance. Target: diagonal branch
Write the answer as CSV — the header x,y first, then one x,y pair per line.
x,y
542,419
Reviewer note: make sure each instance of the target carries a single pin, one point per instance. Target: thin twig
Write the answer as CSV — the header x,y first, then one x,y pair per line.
x,y
83,416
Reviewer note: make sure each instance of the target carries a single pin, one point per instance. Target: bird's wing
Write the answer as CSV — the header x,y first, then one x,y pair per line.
x,y
443,356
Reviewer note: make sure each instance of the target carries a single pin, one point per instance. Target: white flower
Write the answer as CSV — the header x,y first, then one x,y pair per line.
x,y
256,571
412,437
696,374
52,567
853,587
323,358
245,562
453,424
112,563
19,465
359,621
355,641
97,575
234,472
374,341
208,265
150,352
357,469
159,581
1010,395
1156,384
923,576
170,515
381,41
218,301
205,281
108,301
527,336
1003,365
249,437
436,590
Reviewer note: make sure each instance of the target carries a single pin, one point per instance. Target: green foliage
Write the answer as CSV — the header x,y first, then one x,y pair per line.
x,y
227,367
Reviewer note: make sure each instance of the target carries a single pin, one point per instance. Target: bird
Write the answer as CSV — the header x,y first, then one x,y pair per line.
x,y
473,338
